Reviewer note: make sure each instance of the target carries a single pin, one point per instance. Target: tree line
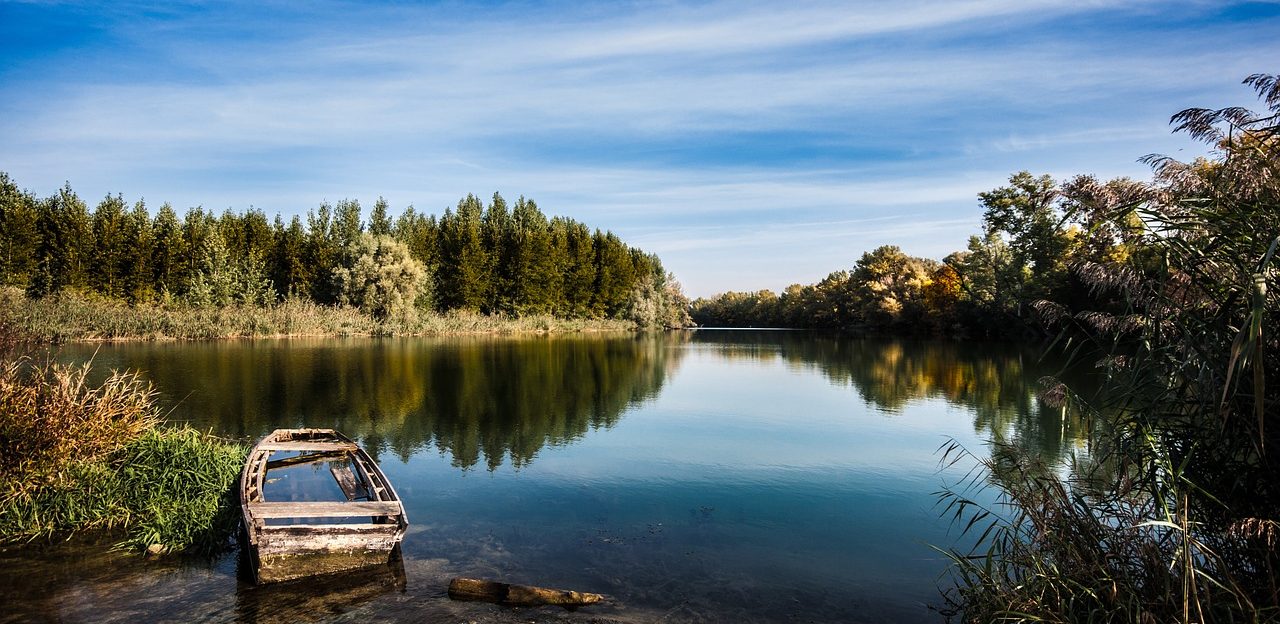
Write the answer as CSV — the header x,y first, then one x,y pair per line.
x,y
1035,230
490,258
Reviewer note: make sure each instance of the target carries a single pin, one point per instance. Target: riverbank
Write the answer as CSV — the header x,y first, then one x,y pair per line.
x,y
84,457
70,316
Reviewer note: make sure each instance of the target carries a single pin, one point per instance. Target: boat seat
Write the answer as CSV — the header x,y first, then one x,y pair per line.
x,y
322,509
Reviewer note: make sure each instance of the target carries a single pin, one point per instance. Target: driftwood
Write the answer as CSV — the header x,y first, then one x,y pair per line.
x,y
518,595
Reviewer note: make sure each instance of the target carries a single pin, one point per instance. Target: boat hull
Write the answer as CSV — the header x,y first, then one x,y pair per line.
x,y
289,555
287,540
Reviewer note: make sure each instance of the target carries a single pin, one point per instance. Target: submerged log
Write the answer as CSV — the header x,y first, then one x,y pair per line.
x,y
518,595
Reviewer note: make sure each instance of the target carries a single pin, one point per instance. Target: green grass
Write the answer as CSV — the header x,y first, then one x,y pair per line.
x,y
72,316
80,457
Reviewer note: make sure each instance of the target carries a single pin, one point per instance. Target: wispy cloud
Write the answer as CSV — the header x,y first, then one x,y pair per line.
x,y
697,130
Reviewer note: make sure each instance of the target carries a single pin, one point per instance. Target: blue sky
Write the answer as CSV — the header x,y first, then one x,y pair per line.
x,y
750,145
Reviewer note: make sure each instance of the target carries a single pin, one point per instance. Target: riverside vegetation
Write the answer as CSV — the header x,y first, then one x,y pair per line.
x,y
1168,287
81,457
1174,516
121,272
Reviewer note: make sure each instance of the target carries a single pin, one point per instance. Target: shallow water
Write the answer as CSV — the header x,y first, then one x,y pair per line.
x,y
712,476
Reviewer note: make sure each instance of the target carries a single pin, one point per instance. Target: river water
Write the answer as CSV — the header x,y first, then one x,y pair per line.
x,y
709,476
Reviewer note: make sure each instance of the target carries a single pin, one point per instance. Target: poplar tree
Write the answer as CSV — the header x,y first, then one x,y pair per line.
x,y
532,263
197,227
137,255
346,224
420,233
66,239
615,275
167,253
290,272
19,236
464,279
580,268
498,239
379,221
320,253
109,247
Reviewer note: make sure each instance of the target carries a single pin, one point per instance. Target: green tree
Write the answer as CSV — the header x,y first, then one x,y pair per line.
x,y
464,261
167,254
1026,212
66,243
421,234
109,247
615,275
497,236
889,289
535,266
197,227
379,221
289,269
136,257
579,279
321,253
19,236
220,280
346,224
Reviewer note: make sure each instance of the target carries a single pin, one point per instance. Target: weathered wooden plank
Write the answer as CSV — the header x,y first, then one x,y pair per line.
x,y
329,538
313,529
305,459
347,481
282,544
322,509
308,446
518,595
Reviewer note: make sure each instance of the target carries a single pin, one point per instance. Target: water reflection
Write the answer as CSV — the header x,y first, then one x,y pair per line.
x,y
487,400
481,400
699,477
996,382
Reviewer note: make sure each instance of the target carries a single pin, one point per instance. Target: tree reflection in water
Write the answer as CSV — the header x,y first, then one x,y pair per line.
x,y
486,400
482,400
996,381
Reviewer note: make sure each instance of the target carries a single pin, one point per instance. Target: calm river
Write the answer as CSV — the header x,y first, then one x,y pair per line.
x,y
710,476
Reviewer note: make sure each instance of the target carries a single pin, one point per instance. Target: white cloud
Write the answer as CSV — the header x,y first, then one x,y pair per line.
x,y
880,122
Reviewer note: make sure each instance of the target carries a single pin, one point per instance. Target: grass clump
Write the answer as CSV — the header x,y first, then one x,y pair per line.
x,y
98,457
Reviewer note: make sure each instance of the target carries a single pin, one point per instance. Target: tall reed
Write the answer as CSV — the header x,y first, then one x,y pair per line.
x,y
70,316
1174,516
79,456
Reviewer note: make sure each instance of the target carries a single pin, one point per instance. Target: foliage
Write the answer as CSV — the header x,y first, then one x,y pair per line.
x,y
81,457
73,316
481,258
219,281
381,278
1176,517
1062,550
49,417
657,302
885,292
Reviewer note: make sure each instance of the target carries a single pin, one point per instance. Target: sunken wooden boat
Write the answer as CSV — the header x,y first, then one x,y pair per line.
x,y
357,524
